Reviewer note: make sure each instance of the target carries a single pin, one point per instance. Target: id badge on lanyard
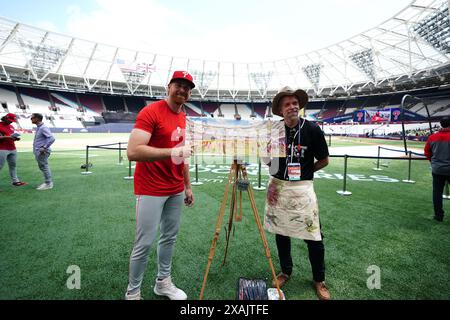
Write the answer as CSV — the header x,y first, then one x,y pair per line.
x,y
294,171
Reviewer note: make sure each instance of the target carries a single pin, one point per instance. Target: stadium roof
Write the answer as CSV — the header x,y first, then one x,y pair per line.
x,y
411,48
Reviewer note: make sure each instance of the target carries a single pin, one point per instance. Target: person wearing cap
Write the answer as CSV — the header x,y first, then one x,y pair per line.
x,y
8,152
161,184
437,151
291,208
43,139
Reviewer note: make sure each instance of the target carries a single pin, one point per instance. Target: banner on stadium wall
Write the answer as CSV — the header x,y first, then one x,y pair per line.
x,y
240,138
344,118
408,115
359,116
376,116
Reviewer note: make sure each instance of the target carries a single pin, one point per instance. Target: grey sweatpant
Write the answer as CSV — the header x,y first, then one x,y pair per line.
x,y
9,156
42,160
153,213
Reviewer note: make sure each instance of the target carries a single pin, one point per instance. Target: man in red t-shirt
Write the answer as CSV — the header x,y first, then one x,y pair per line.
x,y
161,184
8,152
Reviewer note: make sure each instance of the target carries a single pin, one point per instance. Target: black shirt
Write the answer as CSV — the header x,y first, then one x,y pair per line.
x,y
312,145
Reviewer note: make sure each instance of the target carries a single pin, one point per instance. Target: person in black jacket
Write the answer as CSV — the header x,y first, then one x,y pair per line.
x,y
437,151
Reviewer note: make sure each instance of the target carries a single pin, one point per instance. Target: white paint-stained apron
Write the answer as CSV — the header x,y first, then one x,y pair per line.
x,y
296,212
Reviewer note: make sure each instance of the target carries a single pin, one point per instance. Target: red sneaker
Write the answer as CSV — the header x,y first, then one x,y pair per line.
x,y
19,184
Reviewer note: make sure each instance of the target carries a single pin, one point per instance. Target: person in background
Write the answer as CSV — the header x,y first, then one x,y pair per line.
x,y
43,139
8,152
437,151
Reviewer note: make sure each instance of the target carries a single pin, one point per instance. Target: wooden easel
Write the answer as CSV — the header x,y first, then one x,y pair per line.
x,y
239,180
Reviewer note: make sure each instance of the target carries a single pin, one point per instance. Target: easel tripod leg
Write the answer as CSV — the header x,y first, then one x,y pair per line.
x,y
263,237
233,207
217,230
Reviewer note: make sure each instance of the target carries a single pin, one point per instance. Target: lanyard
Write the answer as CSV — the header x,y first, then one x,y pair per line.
x,y
299,139
292,145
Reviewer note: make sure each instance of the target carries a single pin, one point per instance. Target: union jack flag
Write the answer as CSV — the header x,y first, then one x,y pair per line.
x,y
146,67
127,66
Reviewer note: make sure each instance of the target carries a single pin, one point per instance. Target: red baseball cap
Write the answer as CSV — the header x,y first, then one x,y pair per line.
x,y
184,75
11,117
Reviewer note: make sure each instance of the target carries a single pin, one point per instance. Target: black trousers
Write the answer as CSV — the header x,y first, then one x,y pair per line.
x,y
438,190
316,251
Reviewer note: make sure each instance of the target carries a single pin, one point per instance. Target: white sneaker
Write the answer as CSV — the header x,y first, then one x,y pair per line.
x,y
136,296
165,287
45,186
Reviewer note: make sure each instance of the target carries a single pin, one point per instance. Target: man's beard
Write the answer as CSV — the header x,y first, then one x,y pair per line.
x,y
179,99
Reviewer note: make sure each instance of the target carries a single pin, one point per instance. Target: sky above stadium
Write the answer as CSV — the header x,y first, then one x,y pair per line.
x,y
232,30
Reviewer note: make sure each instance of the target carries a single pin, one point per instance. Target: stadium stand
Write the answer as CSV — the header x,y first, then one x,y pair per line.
x,y
192,110
119,117
261,109
114,103
67,122
8,98
92,102
37,100
330,109
244,110
210,108
443,111
228,111
69,110
437,108
135,104
66,103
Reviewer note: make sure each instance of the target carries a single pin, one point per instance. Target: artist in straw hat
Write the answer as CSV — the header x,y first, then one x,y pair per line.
x,y
292,210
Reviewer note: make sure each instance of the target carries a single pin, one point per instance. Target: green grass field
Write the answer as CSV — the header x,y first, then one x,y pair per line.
x,y
89,221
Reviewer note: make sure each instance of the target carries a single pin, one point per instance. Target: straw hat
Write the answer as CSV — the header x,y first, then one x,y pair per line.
x,y
301,95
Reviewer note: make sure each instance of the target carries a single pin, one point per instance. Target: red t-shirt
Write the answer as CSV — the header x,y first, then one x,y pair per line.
x,y
164,177
6,130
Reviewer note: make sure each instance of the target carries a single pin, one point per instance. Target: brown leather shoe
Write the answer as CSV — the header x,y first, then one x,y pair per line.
x,y
322,291
282,278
